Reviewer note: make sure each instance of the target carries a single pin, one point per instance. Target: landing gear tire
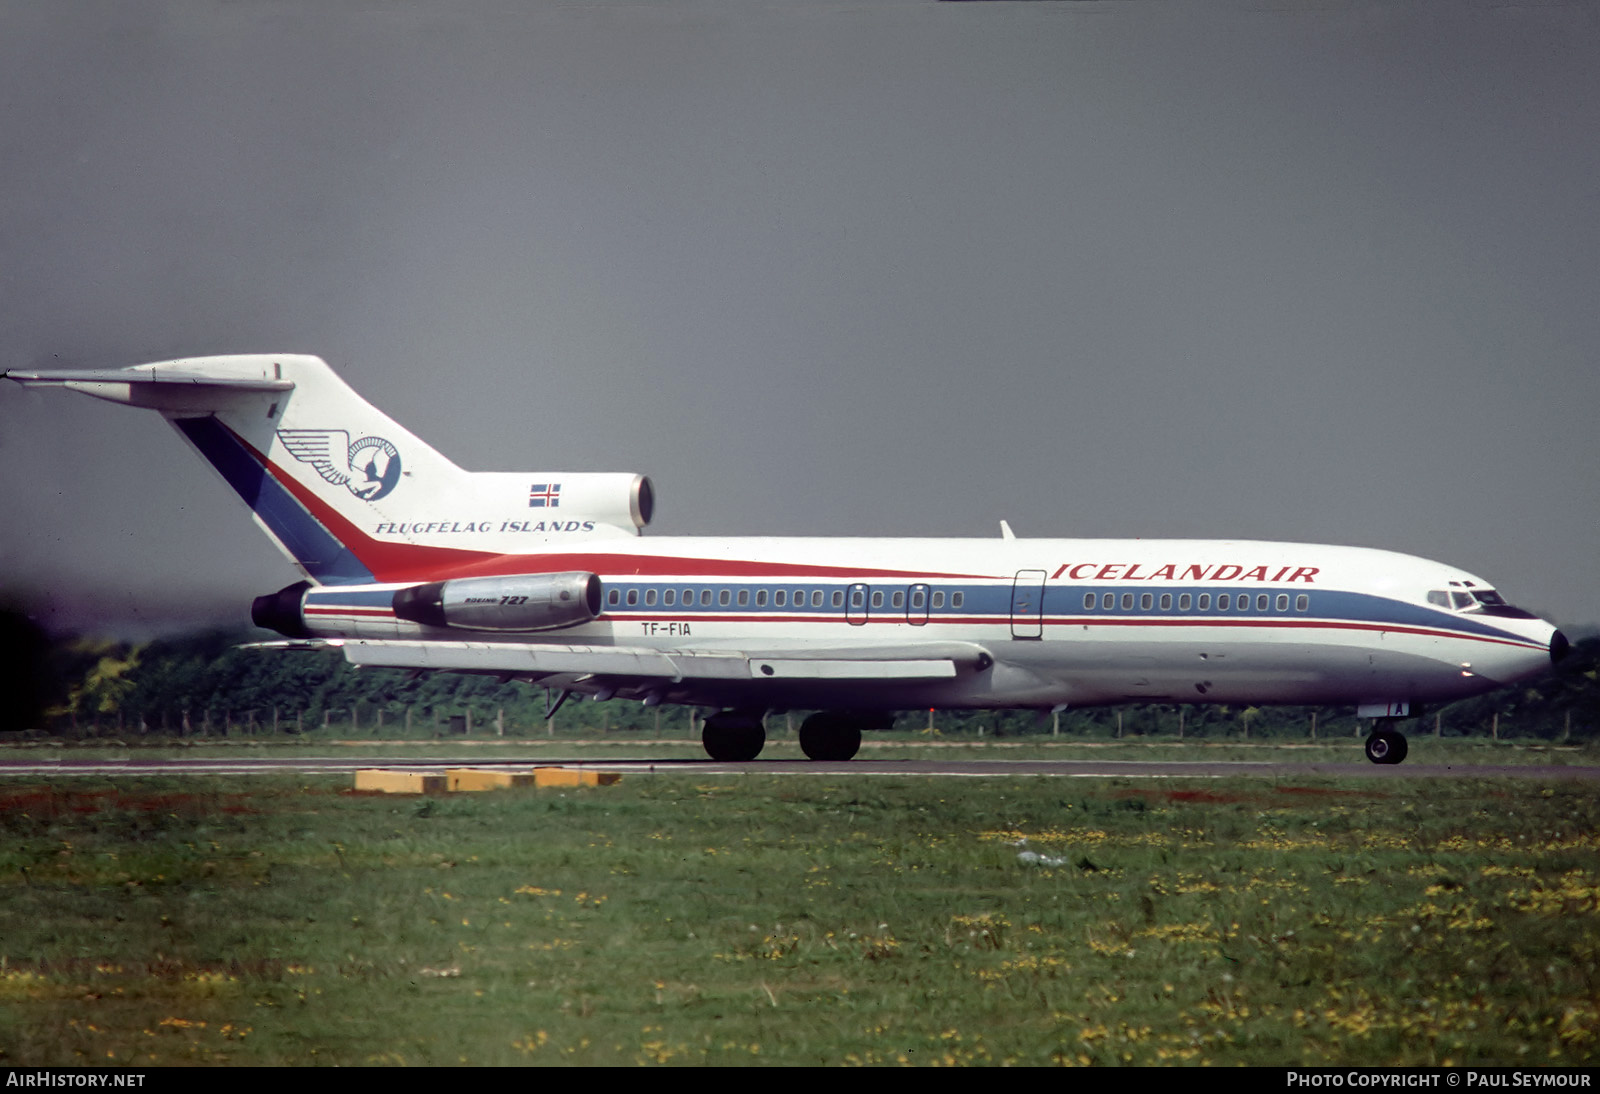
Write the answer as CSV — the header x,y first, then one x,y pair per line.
x,y
1386,745
733,737
830,737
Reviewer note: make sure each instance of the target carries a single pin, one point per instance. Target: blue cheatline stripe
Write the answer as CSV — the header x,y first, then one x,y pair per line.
x,y
1336,604
1062,604
355,598
313,546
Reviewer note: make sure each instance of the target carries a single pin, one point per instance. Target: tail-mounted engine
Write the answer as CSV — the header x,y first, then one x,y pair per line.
x,y
282,611
566,502
521,602
517,602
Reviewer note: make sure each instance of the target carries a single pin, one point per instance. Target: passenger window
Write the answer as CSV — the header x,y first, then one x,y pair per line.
x,y
744,597
816,598
1243,602
956,599
1146,601
761,598
633,597
1204,603
649,598
1166,602
1302,602
938,600
778,598
1262,600
919,597
1088,602
1183,602
1108,600
1283,602
838,598
613,598
898,600
1223,601
669,597
705,598
1127,602
723,597
877,599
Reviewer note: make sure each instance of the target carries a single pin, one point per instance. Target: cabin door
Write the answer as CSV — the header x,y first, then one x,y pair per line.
x,y
1027,604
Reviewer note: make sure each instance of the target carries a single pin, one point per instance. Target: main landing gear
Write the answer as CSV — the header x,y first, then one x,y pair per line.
x,y
734,736
1385,744
829,736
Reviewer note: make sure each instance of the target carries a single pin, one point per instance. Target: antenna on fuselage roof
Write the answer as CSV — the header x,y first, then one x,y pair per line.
x,y
1006,532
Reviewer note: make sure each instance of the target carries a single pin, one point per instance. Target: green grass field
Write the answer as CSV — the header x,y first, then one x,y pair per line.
x,y
694,919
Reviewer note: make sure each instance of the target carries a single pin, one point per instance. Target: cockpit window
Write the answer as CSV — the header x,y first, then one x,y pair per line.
x,y
1492,603
1478,601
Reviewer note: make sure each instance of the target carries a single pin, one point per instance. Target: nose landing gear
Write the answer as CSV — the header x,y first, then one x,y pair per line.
x,y
1385,744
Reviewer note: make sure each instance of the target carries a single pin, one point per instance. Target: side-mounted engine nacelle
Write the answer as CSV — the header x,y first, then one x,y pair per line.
x,y
519,602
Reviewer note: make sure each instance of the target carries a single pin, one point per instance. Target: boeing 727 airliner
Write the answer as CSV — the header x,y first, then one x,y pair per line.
x,y
542,576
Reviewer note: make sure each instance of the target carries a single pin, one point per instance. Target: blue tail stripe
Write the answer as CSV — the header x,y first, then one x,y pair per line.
x,y
321,555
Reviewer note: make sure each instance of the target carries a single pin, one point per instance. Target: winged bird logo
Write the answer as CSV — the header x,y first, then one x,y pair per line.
x,y
369,468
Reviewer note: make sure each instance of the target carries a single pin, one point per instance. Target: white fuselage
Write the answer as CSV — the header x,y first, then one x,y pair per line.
x,y
1066,622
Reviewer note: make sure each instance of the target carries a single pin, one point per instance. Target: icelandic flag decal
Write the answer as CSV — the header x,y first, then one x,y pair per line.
x,y
544,495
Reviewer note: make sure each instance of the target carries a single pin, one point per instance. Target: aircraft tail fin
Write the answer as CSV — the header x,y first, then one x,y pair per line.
x,y
348,493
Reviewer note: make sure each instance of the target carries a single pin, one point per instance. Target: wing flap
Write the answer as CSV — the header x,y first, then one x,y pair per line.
x,y
541,660
935,661
834,669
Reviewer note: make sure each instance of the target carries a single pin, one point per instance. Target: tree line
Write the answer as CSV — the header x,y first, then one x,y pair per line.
x,y
203,684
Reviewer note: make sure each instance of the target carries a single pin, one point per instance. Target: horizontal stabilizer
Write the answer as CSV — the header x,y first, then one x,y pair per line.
x,y
176,387
135,376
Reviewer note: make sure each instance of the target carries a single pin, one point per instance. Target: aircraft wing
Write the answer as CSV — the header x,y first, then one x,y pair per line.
x,y
623,665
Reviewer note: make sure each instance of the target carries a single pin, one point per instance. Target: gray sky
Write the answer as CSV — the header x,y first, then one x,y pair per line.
x,y
1301,271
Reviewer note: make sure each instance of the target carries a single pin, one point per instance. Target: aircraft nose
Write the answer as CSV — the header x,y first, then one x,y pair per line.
x,y
1559,647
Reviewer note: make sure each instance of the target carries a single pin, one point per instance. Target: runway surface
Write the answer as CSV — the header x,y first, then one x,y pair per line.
x,y
1134,769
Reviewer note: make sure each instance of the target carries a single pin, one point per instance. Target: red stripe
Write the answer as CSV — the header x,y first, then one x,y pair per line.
x,y
409,562
971,620
1312,623
610,566
387,561
1003,620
